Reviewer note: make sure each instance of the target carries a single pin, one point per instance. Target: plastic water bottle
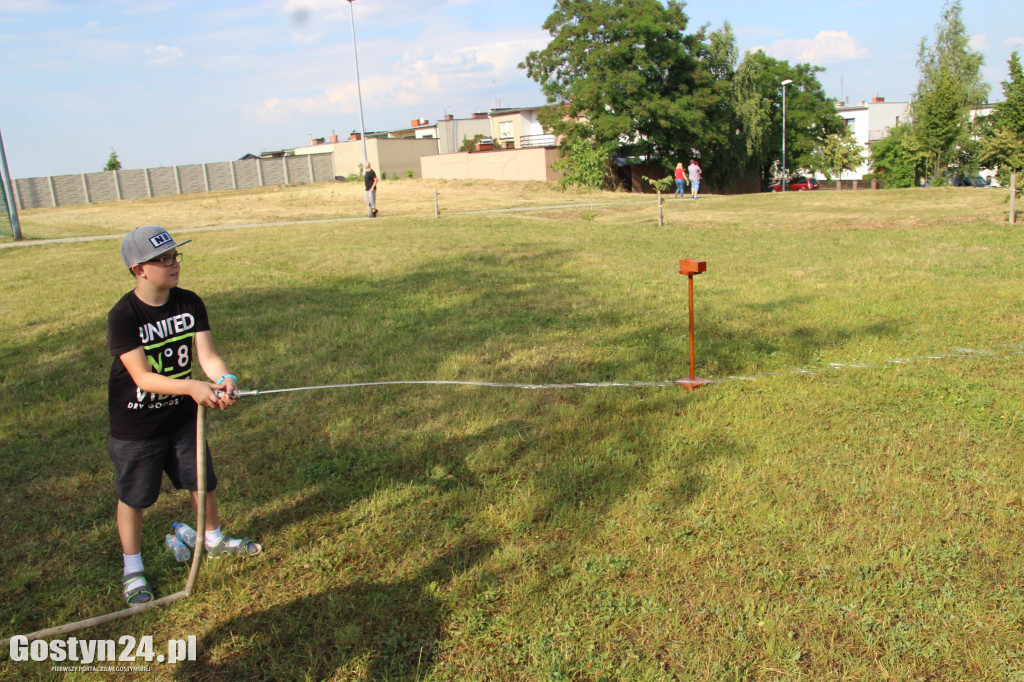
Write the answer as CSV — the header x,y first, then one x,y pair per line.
x,y
178,548
184,533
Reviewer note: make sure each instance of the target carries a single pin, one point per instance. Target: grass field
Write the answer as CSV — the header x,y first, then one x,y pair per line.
x,y
844,503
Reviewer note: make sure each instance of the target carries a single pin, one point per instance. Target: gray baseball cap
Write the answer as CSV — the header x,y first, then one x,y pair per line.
x,y
146,243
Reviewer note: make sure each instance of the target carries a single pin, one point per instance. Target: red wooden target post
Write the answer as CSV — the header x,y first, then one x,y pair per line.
x,y
691,267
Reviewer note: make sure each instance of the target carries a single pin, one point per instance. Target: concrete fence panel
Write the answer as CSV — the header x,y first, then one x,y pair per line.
x,y
273,171
134,184
81,188
33,193
163,181
220,176
68,189
248,174
192,179
100,186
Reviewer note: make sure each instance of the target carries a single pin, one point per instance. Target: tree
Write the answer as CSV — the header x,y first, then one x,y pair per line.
x,y
113,163
950,86
583,165
469,145
756,98
1004,148
898,159
623,72
661,185
838,152
1010,112
721,145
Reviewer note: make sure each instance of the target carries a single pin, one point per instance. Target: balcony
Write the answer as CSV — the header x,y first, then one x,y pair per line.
x,y
530,141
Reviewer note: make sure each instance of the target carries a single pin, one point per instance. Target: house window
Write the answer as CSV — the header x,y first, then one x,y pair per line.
x,y
505,130
851,123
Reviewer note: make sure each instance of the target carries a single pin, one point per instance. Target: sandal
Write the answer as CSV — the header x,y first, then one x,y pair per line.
x,y
234,546
135,588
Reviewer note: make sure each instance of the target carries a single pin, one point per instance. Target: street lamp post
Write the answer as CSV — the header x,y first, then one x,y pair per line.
x,y
359,93
786,82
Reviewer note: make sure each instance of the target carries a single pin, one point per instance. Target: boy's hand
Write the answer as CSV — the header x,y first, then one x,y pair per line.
x,y
205,394
226,393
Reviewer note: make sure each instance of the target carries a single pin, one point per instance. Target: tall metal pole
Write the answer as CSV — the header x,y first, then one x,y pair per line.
x,y
359,92
359,96
9,201
784,84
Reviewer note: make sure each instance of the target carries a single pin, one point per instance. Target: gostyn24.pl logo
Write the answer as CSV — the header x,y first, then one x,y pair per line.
x,y
126,649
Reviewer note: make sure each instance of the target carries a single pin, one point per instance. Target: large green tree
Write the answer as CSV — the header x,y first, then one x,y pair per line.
x,y
722,144
623,72
950,86
898,158
756,99
1010,112
1005,146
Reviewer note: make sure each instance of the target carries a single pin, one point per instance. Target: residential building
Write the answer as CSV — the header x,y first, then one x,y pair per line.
x,y
450,132
519,129
870,122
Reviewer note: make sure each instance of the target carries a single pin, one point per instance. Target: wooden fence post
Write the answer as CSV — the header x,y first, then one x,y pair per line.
x,y
1013,197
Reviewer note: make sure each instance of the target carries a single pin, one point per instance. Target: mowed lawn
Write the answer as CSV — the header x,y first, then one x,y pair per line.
x,y
844,502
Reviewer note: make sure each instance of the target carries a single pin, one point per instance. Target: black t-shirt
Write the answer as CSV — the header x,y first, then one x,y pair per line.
x,y
370,176
166,334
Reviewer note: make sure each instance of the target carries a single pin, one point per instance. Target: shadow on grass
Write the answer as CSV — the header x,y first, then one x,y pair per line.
x,y
395,626
287,461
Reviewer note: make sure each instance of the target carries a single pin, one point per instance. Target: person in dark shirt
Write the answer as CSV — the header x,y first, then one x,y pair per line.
x,y
370,178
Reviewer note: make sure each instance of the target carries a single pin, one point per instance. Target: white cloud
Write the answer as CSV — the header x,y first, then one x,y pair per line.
x,y
828,47
306,39
427,77
979,41
163,54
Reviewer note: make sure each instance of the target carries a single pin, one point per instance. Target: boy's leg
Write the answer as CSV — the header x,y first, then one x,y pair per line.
x,y
182,472
139,468
129,528
212,513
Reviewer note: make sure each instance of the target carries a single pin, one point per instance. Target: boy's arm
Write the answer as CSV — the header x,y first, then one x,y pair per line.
x,y
138,367
215,367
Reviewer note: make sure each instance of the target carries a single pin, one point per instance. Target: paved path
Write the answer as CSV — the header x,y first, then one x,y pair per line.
x,y
72,240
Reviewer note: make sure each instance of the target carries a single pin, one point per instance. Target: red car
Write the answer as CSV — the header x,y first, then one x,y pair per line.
x,y
795,185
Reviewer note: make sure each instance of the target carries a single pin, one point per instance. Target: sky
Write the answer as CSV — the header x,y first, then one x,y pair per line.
x,y
175,82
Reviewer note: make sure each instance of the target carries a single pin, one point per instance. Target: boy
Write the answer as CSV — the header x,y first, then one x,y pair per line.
x,y
152,333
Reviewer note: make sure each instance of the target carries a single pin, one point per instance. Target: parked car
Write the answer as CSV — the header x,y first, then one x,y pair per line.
x,y
795,185
969,181
950,177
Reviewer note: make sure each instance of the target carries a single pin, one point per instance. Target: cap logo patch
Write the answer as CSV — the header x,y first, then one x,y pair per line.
x,y
159,240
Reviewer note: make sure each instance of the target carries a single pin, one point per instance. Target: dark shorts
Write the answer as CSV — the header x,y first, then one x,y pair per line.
x,y
140,465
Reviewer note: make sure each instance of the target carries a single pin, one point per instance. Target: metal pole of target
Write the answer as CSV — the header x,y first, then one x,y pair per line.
x,y
691,267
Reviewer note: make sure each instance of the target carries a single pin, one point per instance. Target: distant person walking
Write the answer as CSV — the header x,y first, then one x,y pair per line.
x,y
370,178
695,176
680,180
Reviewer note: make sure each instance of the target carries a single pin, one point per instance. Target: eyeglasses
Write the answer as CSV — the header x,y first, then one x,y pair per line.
x,y
167,261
